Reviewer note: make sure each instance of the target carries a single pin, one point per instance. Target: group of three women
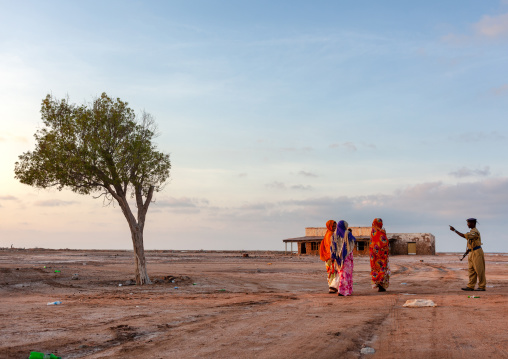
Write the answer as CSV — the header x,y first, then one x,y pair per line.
x,y
336,251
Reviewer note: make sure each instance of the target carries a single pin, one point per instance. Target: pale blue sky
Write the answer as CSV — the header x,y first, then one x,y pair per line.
x,y
278,115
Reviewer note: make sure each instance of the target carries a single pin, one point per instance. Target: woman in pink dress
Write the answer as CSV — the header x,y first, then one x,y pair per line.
x,y
341,251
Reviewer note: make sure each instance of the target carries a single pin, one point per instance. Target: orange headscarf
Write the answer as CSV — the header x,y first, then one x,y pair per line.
x,y
324,248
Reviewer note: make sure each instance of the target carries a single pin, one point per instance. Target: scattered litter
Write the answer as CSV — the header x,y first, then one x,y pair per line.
x,y
44,267
130,282
75,276
57,271
55,303
120,284
490,286
222,290
367,350
269,264
176,287
245,254
408,294
38,355
473,296
403,283
194,283
421,260
416,303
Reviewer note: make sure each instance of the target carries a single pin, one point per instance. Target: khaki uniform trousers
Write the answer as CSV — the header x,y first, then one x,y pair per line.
x,y
476,261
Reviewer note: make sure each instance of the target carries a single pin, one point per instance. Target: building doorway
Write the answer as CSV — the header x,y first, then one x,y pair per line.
x,y
411,248
303,248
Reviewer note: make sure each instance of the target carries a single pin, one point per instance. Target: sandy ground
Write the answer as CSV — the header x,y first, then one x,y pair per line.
x,y
227,306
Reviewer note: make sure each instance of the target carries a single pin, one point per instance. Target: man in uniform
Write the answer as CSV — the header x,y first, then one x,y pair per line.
x,y
476,258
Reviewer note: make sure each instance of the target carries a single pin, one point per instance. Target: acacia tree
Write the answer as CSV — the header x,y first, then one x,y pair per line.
x,y
101,149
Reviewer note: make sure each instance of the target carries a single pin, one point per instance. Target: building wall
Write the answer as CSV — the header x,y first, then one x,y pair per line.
x,y
321,231
308,247
425,242
310,251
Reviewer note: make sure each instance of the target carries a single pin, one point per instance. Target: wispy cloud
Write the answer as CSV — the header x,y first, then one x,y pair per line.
x,y
500,91
488,27
492,26
467,172
256,206
478,137
350,146
276,185
307,174
8,198
282,186
301,187
418,207
182,205
296,149
182,202
54,203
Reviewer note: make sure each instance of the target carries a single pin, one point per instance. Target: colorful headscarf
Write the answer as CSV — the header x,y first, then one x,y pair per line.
x,y
378,237
377,223
324,248
343,243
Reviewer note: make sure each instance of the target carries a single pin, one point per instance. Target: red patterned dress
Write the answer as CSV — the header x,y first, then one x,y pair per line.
x,y
379,249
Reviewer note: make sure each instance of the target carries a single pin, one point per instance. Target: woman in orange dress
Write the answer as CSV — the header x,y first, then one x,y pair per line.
x,y
324,255
379,249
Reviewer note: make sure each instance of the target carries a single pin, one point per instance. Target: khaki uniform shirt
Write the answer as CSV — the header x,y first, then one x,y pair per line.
x,y
473,238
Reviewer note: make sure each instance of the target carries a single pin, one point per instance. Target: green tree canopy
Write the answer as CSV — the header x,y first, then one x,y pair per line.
x,y
101,148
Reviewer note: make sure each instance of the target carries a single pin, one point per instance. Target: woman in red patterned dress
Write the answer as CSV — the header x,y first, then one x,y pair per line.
x,y
379,249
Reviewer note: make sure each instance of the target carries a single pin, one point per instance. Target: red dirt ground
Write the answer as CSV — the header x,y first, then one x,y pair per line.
x,y
266,305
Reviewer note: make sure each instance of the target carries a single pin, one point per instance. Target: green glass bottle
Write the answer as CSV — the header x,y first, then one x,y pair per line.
x,y
38,355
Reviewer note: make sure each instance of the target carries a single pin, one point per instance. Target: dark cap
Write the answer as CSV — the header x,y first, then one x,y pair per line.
x,y
471,219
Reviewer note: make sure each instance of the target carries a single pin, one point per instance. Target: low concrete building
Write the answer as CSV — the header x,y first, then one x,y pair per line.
x,y
400,243
412,243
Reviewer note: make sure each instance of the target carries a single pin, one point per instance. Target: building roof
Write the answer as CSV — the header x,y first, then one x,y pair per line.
x,y
318,239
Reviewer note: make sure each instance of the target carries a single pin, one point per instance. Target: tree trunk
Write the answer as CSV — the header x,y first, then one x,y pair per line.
x,y
136,228
139,256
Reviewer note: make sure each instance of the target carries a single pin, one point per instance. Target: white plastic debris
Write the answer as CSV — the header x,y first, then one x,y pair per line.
x,y
367,350
417,303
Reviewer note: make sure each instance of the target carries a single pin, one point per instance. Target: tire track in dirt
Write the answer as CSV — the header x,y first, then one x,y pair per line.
x,y
178,327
